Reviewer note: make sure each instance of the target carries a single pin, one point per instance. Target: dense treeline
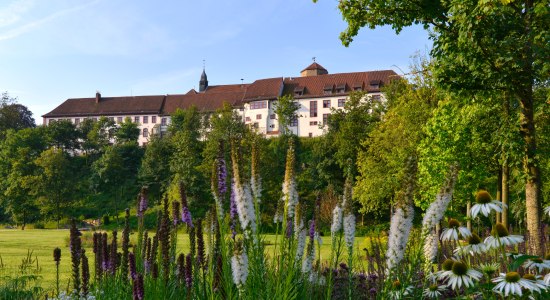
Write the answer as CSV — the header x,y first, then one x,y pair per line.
x,y
97,168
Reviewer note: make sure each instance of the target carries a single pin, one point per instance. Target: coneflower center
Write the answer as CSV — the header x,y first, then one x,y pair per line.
x,y
483,197
453,223
512,277
474,239
530,277
460,268
396,284
433,287
500,230
447,264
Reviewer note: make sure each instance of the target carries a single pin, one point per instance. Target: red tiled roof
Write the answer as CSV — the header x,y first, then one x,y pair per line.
x,y
209,100
263,89
109,106
315,85
314,66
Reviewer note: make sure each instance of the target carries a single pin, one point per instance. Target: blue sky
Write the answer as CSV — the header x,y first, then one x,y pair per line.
x,y
58,49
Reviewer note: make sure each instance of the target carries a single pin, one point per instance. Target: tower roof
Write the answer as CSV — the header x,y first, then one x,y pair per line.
x,y
314,66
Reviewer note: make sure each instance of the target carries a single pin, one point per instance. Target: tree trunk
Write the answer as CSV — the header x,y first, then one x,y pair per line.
x,y
505,187
532,184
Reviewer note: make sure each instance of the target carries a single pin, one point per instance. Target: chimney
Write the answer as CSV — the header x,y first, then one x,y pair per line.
x,y
97,97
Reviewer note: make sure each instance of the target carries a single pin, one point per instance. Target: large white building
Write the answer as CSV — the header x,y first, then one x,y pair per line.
x,y
316,91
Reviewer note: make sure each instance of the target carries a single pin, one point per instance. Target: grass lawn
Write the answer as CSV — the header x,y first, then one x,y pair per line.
x,y
16,244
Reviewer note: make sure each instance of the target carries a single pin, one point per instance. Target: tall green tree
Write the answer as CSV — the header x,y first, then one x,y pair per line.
x,y
154,171
389,153
63,135
127,131
53,183
13,115
350,126
479,45
18,152
286,110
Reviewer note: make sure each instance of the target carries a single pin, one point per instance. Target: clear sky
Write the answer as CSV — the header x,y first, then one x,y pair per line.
x,y
58,49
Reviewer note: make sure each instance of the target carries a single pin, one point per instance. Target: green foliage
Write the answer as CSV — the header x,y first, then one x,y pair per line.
x,y
154,171
53,183
127,131
285,110
349,127
13,115
382,161
62,134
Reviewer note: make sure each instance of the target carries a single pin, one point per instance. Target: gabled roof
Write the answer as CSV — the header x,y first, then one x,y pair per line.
x,y
213,98
109,106
263,89
315,85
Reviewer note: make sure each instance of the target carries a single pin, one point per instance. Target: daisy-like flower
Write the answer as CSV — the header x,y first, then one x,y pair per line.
x,y
433,291
511,284
538,264
398,292
485,204
446,267
474,246
489,269
461,275
501,237
547,210
547,279
540,285
454,231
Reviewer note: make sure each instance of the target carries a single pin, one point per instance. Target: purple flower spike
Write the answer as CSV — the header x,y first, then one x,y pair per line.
x,y
142,205
233,213
311,230
132,265
289,228
222,175
186,216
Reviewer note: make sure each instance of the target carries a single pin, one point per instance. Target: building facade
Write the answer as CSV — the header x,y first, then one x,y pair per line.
x,y
316,91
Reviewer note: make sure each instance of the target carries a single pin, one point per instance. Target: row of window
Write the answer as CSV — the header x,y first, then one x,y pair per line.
x,y
163,121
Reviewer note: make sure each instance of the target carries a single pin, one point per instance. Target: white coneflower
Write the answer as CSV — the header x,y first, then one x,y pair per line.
x,y
474,246
398,292
401,224
501,238
489,268
349,229
435,213
539,285
547,210
485,204
538,264
336,220
511,283
454,230
434,291
547,279
461,275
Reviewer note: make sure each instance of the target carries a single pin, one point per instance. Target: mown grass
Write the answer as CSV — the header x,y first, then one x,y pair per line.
x,y
15,246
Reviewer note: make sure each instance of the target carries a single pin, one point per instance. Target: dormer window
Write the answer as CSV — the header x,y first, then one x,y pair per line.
x,y
375,84
298,91
341,88
327,90
358,86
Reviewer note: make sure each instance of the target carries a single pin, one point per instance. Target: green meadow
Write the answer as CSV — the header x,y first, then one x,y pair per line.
x,y
17,245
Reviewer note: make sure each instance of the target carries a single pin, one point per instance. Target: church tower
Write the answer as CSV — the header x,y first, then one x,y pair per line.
x,y
203,83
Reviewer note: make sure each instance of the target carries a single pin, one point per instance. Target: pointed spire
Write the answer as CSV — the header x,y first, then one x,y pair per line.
x,y
203,83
